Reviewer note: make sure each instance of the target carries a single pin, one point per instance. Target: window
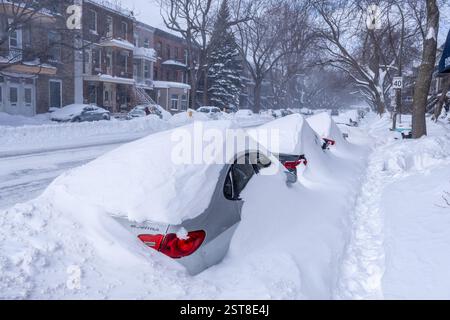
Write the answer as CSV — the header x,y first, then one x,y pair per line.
x,y
28,96
54,45
92,20
176,53
106,96
124,26
184,103
96,59
174,102
109,27
240,175
13,96
168,52
159,48
15,37
123,60
55,97
146,71
147,43
92,94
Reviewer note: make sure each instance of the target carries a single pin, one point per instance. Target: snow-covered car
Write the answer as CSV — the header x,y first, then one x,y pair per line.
x,y
186,210
295,144
244,113
146,110
212,112
80,113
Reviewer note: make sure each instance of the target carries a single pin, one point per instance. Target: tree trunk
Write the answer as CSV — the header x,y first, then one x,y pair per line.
x,y
257,94
441,101
205,91
426,69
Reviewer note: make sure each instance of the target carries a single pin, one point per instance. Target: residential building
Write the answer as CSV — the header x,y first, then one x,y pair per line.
x,y
170,81
36,60
144,59
108,35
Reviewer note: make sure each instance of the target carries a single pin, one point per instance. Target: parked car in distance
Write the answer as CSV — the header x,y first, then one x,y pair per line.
x,y
146,110
211,112
334,113
80,113
244,113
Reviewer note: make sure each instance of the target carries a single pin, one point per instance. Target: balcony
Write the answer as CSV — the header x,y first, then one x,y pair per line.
x,y
174,64
145,53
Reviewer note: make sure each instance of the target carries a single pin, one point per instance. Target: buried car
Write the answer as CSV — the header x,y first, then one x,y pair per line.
x,y
80,113
290,139
146,110
181,207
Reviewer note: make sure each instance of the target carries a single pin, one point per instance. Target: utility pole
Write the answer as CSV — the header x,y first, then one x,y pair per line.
x,y
74,23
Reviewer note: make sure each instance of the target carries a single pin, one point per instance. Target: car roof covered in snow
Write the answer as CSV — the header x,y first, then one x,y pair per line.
x,y
292,131
146,181
73,109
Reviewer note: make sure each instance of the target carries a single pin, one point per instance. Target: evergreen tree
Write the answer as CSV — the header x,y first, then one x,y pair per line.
x,y
224,74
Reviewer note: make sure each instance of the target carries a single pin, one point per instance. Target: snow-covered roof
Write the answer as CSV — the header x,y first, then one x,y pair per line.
x,y
174,63
111,79
146,181
119,43
169,84
145,53
114,6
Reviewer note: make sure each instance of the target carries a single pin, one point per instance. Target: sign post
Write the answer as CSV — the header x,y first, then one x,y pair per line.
x,y
397,85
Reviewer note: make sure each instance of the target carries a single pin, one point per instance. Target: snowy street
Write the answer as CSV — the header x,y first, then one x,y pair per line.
x,y
24,177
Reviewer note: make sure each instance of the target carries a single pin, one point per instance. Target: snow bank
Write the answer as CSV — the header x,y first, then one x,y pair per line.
x,y
42,137
184,118
9,120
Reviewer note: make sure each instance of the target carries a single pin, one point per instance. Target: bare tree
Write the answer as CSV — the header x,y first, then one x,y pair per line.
x,y
277,29
372,54
426,69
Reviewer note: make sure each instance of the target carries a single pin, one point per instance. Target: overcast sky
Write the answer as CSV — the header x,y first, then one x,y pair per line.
x,y
146,11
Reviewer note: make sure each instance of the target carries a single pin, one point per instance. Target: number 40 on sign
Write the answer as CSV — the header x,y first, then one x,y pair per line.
x,y
397,83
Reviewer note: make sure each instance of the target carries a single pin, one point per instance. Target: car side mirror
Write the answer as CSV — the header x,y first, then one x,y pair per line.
x,y
291,178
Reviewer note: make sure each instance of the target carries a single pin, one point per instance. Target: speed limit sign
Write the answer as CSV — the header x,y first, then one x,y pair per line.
x,y
397,83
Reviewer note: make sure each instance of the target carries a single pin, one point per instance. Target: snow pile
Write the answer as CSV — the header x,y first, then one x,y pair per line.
x,y
18,120
43,137
190,116
66,245
400,241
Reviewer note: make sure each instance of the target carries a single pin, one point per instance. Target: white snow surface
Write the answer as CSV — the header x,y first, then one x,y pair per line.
x,y
288,246
32,138
375,226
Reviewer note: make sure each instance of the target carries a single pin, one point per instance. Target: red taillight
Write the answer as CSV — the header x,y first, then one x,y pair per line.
x,y
292,165
152,241
174,247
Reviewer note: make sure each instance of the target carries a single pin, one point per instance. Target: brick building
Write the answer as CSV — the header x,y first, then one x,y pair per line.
x,y
36,63
170,81
144,59
108,35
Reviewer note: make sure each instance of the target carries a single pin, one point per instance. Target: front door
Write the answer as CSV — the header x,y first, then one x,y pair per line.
x,y
55,94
